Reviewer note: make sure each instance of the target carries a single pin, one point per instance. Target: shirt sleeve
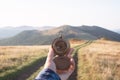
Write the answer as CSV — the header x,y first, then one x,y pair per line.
x,y
47,74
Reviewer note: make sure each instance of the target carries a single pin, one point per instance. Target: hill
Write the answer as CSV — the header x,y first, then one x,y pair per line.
x,y
37,37
9,31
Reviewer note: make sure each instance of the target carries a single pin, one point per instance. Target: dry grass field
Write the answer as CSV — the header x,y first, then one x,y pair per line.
x,y
95,60
14,58
99,61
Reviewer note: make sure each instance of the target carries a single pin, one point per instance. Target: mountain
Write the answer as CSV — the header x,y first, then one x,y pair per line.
x,y
9,31
38,37
100,32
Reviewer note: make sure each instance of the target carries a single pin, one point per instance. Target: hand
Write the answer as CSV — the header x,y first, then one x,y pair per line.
x,y
63,74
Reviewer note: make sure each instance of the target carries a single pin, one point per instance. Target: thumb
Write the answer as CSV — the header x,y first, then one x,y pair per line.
x,y
50,55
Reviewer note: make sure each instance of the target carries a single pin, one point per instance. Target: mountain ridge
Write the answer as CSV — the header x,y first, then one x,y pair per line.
x,y
37,37
9,31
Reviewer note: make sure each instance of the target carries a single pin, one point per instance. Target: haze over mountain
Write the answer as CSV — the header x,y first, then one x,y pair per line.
x,y
9,31
117,30
38,37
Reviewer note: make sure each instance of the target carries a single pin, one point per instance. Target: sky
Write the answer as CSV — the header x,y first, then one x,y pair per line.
x,y
103,13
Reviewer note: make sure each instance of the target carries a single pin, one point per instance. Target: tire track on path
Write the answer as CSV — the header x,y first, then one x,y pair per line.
x,y
75,56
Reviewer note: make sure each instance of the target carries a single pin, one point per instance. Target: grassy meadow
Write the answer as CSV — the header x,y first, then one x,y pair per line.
x,y
99,61
95,60
15,59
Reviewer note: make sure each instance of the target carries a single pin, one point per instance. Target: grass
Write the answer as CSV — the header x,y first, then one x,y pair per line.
x,y
99,61
16,59
95,60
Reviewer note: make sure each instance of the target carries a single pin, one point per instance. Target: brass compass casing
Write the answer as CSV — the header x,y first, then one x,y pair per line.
x,y
61,48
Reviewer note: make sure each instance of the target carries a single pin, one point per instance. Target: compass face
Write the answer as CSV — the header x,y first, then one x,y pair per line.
x,y
60,46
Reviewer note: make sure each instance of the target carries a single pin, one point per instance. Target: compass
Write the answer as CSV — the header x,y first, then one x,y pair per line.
x,y
61,48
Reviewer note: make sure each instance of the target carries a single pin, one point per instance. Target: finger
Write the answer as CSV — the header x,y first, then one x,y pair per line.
x,y
72,63
70,52
72,67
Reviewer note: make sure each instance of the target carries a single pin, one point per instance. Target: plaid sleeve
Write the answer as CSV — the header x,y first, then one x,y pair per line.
x,y
47,74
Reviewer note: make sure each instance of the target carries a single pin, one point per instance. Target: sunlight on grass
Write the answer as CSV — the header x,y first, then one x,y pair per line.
x,y
15,57
99,61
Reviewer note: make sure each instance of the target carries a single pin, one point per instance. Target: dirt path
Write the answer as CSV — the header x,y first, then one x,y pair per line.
x,y
74,74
